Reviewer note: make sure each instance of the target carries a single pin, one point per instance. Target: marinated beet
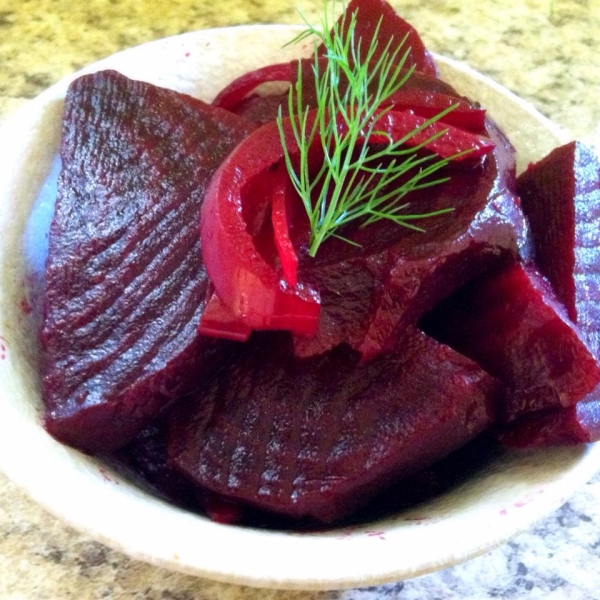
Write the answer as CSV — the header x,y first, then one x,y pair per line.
x,y
370,294
378,18
561,197
125,282
319,437
511,323
298,426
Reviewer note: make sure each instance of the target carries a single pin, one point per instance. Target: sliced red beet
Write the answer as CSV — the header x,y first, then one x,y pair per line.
x,y
377,16
252,287
364,303
125,282
561,197
511,323
320,437
579,424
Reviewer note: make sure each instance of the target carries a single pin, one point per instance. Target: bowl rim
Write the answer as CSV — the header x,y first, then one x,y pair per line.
x,y
92,498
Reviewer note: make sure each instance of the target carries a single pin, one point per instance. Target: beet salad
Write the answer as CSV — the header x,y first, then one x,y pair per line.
x,y
285,303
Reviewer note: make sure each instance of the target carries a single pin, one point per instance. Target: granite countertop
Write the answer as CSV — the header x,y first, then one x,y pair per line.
x,y
547,51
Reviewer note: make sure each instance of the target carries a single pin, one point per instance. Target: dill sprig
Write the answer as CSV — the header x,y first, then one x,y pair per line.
x,y
356,180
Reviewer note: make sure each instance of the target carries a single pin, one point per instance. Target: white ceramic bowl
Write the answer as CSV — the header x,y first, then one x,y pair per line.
x,y
513,492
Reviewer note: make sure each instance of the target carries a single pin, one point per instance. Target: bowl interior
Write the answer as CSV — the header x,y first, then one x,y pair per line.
x,y
506,497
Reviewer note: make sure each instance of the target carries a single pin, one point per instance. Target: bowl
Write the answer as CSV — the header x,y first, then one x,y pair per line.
x,y
514,490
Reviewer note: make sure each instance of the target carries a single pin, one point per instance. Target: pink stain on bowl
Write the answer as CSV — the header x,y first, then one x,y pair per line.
x,y
524,502
26,306
378,534
106,477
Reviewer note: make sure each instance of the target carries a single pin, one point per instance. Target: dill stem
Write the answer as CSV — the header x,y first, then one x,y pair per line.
x,y
354,181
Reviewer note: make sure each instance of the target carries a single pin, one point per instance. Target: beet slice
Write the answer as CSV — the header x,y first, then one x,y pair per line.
x,y
511,323
321,436
370,294
392,29
125,279
561,197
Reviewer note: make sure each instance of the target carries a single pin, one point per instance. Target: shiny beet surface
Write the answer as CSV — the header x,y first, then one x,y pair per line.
x,y
319,437
511,324
299,427
378,18
561,196
125,282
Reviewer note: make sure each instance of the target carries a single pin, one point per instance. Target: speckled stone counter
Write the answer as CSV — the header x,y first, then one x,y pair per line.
x,y
547,51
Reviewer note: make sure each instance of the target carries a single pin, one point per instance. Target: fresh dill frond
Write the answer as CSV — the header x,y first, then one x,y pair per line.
x,y
356,181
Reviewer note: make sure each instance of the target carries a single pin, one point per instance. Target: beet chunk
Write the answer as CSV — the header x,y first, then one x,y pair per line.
x,y
378,17
511,324
561,196
319,437
371,294
125,282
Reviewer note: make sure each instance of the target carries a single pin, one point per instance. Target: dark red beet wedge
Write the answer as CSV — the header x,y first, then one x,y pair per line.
x,y
125,278
370,294
561,197
319,437
511,323
378,17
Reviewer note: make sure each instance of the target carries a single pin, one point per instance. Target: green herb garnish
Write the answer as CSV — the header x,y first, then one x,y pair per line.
x,y
354,181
